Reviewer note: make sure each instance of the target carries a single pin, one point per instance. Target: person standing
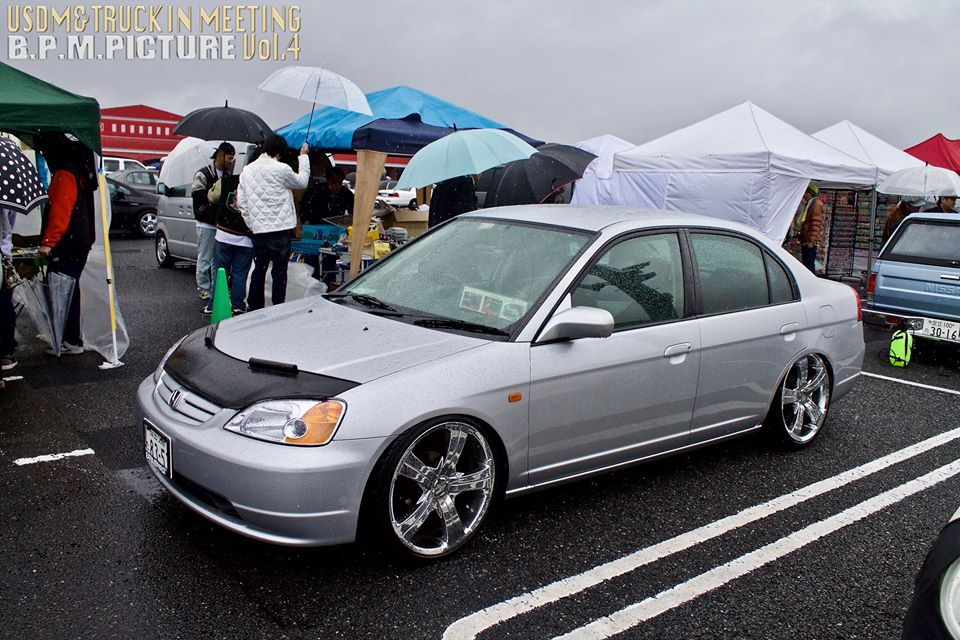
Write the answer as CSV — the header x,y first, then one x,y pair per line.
x,y
204,212
326,199
450,198
69,229
904,208
811,227
265,199
233,250
945,204
8,318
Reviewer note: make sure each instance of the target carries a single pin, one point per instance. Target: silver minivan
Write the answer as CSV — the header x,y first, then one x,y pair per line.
x,y
176,237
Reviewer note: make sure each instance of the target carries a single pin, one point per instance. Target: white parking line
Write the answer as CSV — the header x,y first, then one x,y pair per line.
x,y
470,626
54,456
739,567
912,384
12,378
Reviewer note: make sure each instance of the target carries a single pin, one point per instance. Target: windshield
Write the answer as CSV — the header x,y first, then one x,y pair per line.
x,y
926,242
484,272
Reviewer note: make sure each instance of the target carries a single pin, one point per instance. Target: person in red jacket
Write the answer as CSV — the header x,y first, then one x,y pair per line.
x,y
68,227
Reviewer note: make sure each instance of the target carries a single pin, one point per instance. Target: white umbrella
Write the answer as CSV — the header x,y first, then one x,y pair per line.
x,y
189,156
922,182
318,86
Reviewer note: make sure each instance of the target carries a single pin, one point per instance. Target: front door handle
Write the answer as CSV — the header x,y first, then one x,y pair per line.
x,y
787,329
677,350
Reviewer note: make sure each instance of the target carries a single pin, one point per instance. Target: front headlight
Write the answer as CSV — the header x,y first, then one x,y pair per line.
x,y
300,422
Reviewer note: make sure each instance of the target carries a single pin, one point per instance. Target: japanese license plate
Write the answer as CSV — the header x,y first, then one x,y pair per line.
x,y
157,449
941,329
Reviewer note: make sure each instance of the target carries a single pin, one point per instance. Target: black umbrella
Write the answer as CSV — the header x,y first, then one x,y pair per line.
x,y
223,123
20,186
533,180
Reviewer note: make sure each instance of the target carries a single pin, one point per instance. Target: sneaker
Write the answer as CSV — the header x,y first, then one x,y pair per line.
x,y
237,312
7,363
66,349
204,294
207,311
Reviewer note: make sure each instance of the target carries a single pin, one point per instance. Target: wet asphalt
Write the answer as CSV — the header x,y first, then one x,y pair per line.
x,y
92,547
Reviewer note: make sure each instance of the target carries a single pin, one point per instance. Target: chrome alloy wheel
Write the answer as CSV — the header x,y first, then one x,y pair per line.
x,y
147,223
441,488
804,397
163,254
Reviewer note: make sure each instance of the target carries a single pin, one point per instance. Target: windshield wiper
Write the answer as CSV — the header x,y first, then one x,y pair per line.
x,y
459,325
364,299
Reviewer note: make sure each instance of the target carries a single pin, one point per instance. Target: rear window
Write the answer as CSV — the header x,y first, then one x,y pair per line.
x,y
926,242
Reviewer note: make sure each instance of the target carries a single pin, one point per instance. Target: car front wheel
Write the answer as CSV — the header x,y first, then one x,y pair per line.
x,y
800,406
147,223
162,250
435,487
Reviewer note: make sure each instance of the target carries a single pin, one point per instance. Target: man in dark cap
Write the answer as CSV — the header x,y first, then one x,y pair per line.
x,y
945,204
205,213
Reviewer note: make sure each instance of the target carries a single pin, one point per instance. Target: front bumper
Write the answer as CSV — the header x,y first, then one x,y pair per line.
x,y
297,496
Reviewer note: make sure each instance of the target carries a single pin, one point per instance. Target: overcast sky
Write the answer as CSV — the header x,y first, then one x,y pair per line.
x,y
564,71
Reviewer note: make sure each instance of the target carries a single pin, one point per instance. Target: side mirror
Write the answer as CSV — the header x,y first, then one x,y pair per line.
x,y
161,188
119,196
577,322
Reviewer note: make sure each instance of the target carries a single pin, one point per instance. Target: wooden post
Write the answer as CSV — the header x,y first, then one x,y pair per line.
x,y
369,169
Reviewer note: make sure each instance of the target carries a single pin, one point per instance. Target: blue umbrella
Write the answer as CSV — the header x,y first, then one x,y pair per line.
x,y
463,153
404,120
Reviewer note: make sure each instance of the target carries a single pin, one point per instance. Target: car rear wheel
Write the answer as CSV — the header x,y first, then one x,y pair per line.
x,y
435,487
147,223
162,252
800,406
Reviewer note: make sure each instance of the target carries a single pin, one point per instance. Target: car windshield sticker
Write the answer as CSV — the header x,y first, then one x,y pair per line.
x,y
492,304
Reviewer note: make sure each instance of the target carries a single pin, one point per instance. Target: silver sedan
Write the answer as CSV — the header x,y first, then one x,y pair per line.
x,y
504,351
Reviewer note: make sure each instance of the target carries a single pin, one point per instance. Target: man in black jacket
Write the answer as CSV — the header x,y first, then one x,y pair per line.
x,y
205,213
945,204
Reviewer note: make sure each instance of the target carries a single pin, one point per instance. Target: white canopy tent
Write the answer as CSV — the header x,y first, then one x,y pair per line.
x,y
743,164
595,185
868,148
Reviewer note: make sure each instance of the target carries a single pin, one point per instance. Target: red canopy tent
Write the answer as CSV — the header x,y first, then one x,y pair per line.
x,y
938,151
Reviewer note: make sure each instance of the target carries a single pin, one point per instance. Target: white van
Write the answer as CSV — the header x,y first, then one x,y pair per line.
x,y
111,164
176,237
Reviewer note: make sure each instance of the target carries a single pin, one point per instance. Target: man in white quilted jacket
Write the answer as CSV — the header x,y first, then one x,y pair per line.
x,y
265,200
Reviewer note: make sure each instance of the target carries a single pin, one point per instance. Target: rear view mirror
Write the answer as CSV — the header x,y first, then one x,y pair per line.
x,y
577,322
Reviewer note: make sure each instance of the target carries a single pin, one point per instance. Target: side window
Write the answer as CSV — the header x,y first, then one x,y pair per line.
x,y
732,273
110,165
639,281
781,289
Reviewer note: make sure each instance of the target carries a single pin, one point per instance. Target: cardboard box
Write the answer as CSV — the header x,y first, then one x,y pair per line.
x,y
415,222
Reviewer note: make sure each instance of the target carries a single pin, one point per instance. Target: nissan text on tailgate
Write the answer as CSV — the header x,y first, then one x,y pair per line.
x,y
915,282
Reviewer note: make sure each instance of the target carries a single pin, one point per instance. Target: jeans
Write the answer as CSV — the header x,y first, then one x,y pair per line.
x,y
205,242
72,267
808,255
8,322
273,247
235,261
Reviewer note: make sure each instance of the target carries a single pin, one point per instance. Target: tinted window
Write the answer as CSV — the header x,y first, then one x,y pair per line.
x,y
111,165
732,273
140,177
926,242
639,281
781,287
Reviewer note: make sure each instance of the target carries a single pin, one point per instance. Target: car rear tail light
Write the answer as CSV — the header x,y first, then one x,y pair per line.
x,y
871,286
856,294
394,195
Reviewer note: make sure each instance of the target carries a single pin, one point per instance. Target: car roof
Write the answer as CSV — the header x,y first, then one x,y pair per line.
x,y
939,217
598,217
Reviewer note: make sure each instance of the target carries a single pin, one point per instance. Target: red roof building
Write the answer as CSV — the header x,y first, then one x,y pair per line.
x,y
138,132
938,151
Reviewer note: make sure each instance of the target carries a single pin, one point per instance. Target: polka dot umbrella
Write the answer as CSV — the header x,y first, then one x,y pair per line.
x,y
20,186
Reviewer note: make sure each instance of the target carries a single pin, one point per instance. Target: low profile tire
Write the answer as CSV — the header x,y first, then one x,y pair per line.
x,y
434,488
412,204
147,223
162,250
800,406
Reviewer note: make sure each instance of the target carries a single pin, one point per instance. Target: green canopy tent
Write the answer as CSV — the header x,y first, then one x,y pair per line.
x,y
30,107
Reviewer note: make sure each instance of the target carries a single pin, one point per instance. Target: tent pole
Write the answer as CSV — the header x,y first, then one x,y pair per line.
x,y
873,223
104,224
369,168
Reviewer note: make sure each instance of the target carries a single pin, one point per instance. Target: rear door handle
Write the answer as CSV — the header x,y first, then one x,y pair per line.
x,y
787,329
949,276
677,350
